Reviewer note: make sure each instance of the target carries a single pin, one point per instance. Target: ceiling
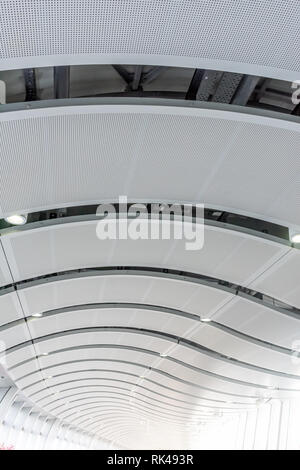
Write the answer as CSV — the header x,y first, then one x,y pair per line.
x,y
82,155
113,335
131,342
240,36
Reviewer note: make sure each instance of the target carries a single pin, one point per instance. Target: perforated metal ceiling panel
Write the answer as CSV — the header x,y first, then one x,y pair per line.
x,y
159,349
230,345
239,314
216,340
5,275
282,278
259,321
12,336
80,155
241,36
10,308
141,348
124,317
277,364
197,299
226,254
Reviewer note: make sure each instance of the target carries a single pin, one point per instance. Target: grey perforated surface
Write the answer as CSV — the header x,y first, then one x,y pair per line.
x,y
58,157
258,37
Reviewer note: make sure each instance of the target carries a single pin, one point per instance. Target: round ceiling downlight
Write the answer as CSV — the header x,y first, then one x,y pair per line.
x,y
295,237
17,219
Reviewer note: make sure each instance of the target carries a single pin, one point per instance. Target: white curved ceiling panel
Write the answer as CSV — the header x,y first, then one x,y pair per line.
x,y
15,357
208,361
232,371
63,342
224,390
193,298
260,322
123,397
10,308
136,406
128,317
150,390
162,384
26,382
232,346
213,388
207,335
63,371
5,275
141,341
241,36
76,395
82,356
30,366
72,246
106,386
282,279
74,413
80,377
227,255
12,336
204,145
77,398
220,394
239,313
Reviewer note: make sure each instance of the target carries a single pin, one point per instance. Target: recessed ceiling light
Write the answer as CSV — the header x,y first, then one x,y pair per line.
x,y
260,401
271,387
163,355
17,219
37,315
295,237
205,319
217,213
44,354
49,377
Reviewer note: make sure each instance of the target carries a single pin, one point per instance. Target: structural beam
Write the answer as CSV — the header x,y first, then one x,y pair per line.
x,y
62,82
195,84
245,90
135,84
30,85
